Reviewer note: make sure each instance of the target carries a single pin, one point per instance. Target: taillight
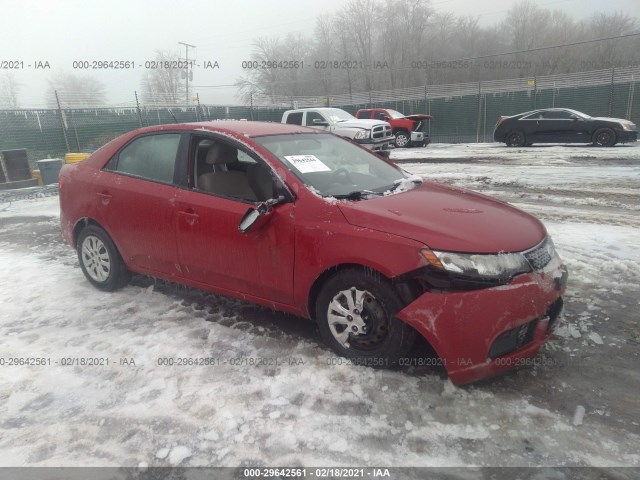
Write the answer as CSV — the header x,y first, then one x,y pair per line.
x,y
500,120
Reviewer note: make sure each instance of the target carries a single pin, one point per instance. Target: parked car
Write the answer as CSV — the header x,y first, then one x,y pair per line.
x,y
372,134
407,129
306,222
563,125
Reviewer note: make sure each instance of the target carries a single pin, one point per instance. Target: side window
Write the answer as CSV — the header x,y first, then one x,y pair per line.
x,y
245,159
364,114
380,115
152,157
557,115
295,118
222,169
311,116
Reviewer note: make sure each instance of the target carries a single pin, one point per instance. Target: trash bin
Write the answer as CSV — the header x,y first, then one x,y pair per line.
x,y
49,170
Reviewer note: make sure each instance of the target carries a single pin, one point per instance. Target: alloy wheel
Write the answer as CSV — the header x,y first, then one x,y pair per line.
x,y
357,320
95,258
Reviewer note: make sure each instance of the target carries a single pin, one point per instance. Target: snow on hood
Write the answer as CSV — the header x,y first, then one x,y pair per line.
x,y
405,184
448,218
360,123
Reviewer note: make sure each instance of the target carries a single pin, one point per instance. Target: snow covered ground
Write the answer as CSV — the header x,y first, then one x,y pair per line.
x,y
297,407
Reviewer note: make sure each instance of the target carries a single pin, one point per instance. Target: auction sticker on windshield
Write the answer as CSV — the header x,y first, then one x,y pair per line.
x,y
307,163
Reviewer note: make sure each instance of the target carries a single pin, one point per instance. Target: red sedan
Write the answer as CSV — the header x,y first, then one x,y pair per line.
x,y
306,222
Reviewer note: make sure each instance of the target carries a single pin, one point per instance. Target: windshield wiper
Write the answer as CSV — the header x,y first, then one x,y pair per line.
x,y
357,194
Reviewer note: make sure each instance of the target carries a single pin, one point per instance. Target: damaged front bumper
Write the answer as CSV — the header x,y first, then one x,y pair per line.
x,y
481,333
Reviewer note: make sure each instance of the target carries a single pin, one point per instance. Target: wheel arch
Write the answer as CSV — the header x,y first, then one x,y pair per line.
x,y
85,222
403,285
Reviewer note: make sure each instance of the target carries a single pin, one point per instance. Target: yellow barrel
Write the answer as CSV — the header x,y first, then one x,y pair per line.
x,y
38,176
75,157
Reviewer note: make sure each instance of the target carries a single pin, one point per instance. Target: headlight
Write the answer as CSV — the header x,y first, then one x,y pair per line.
x,y
501,266
361,134
628,126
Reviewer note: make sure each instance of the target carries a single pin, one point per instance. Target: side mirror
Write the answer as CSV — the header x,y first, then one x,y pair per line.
x,y
252,215
320,122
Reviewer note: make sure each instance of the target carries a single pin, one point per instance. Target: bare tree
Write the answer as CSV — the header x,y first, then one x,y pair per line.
x,y
76,91
422,46
9,89
611,53
164,86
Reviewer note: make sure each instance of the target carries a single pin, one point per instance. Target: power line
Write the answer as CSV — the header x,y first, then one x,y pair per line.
x,y
529,50
479,57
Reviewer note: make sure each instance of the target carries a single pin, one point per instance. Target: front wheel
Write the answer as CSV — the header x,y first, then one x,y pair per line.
x,y
356,318
403,139
100,260
604,137
515,138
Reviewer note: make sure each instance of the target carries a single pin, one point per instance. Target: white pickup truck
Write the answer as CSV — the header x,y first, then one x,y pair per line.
x,y
376,135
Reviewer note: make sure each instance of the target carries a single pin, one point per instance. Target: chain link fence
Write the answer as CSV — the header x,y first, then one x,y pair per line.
x,y
461,112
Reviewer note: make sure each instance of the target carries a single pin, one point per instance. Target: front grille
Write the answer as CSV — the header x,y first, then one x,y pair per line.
x,y
513,339
381,131
540,255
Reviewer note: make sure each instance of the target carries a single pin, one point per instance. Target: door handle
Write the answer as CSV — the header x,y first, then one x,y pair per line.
x,y
189,215
105,197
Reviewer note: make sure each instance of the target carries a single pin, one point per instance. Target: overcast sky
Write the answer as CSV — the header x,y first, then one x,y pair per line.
x,y
61,31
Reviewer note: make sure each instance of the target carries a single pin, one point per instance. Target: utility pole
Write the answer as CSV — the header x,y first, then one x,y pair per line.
x,y
186,68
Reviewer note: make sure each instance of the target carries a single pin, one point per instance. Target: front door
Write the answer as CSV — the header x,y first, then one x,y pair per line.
x,y
212,250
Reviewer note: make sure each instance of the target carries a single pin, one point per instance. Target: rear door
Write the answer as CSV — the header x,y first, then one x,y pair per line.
x,y
213,252
136,199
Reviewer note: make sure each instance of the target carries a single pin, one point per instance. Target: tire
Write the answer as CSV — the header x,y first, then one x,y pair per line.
x,y
378,338
515,138
604,137
403,139
100,260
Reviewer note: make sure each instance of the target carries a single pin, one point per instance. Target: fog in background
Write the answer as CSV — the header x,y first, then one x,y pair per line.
x,y
61,32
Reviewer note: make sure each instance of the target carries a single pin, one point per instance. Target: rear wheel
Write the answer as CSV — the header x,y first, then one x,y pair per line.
x,y
100,260
403,139
356,318
515,138
604,137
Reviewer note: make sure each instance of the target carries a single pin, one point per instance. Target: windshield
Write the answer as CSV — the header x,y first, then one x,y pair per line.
x,y
395,114
332,166
337,115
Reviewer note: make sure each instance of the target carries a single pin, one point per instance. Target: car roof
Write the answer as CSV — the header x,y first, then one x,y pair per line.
x,y
305,109
236,127
558,109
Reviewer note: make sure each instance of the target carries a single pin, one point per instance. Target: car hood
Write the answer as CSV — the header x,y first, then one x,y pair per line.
x,y
448,218
418,116
360,123
609,119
